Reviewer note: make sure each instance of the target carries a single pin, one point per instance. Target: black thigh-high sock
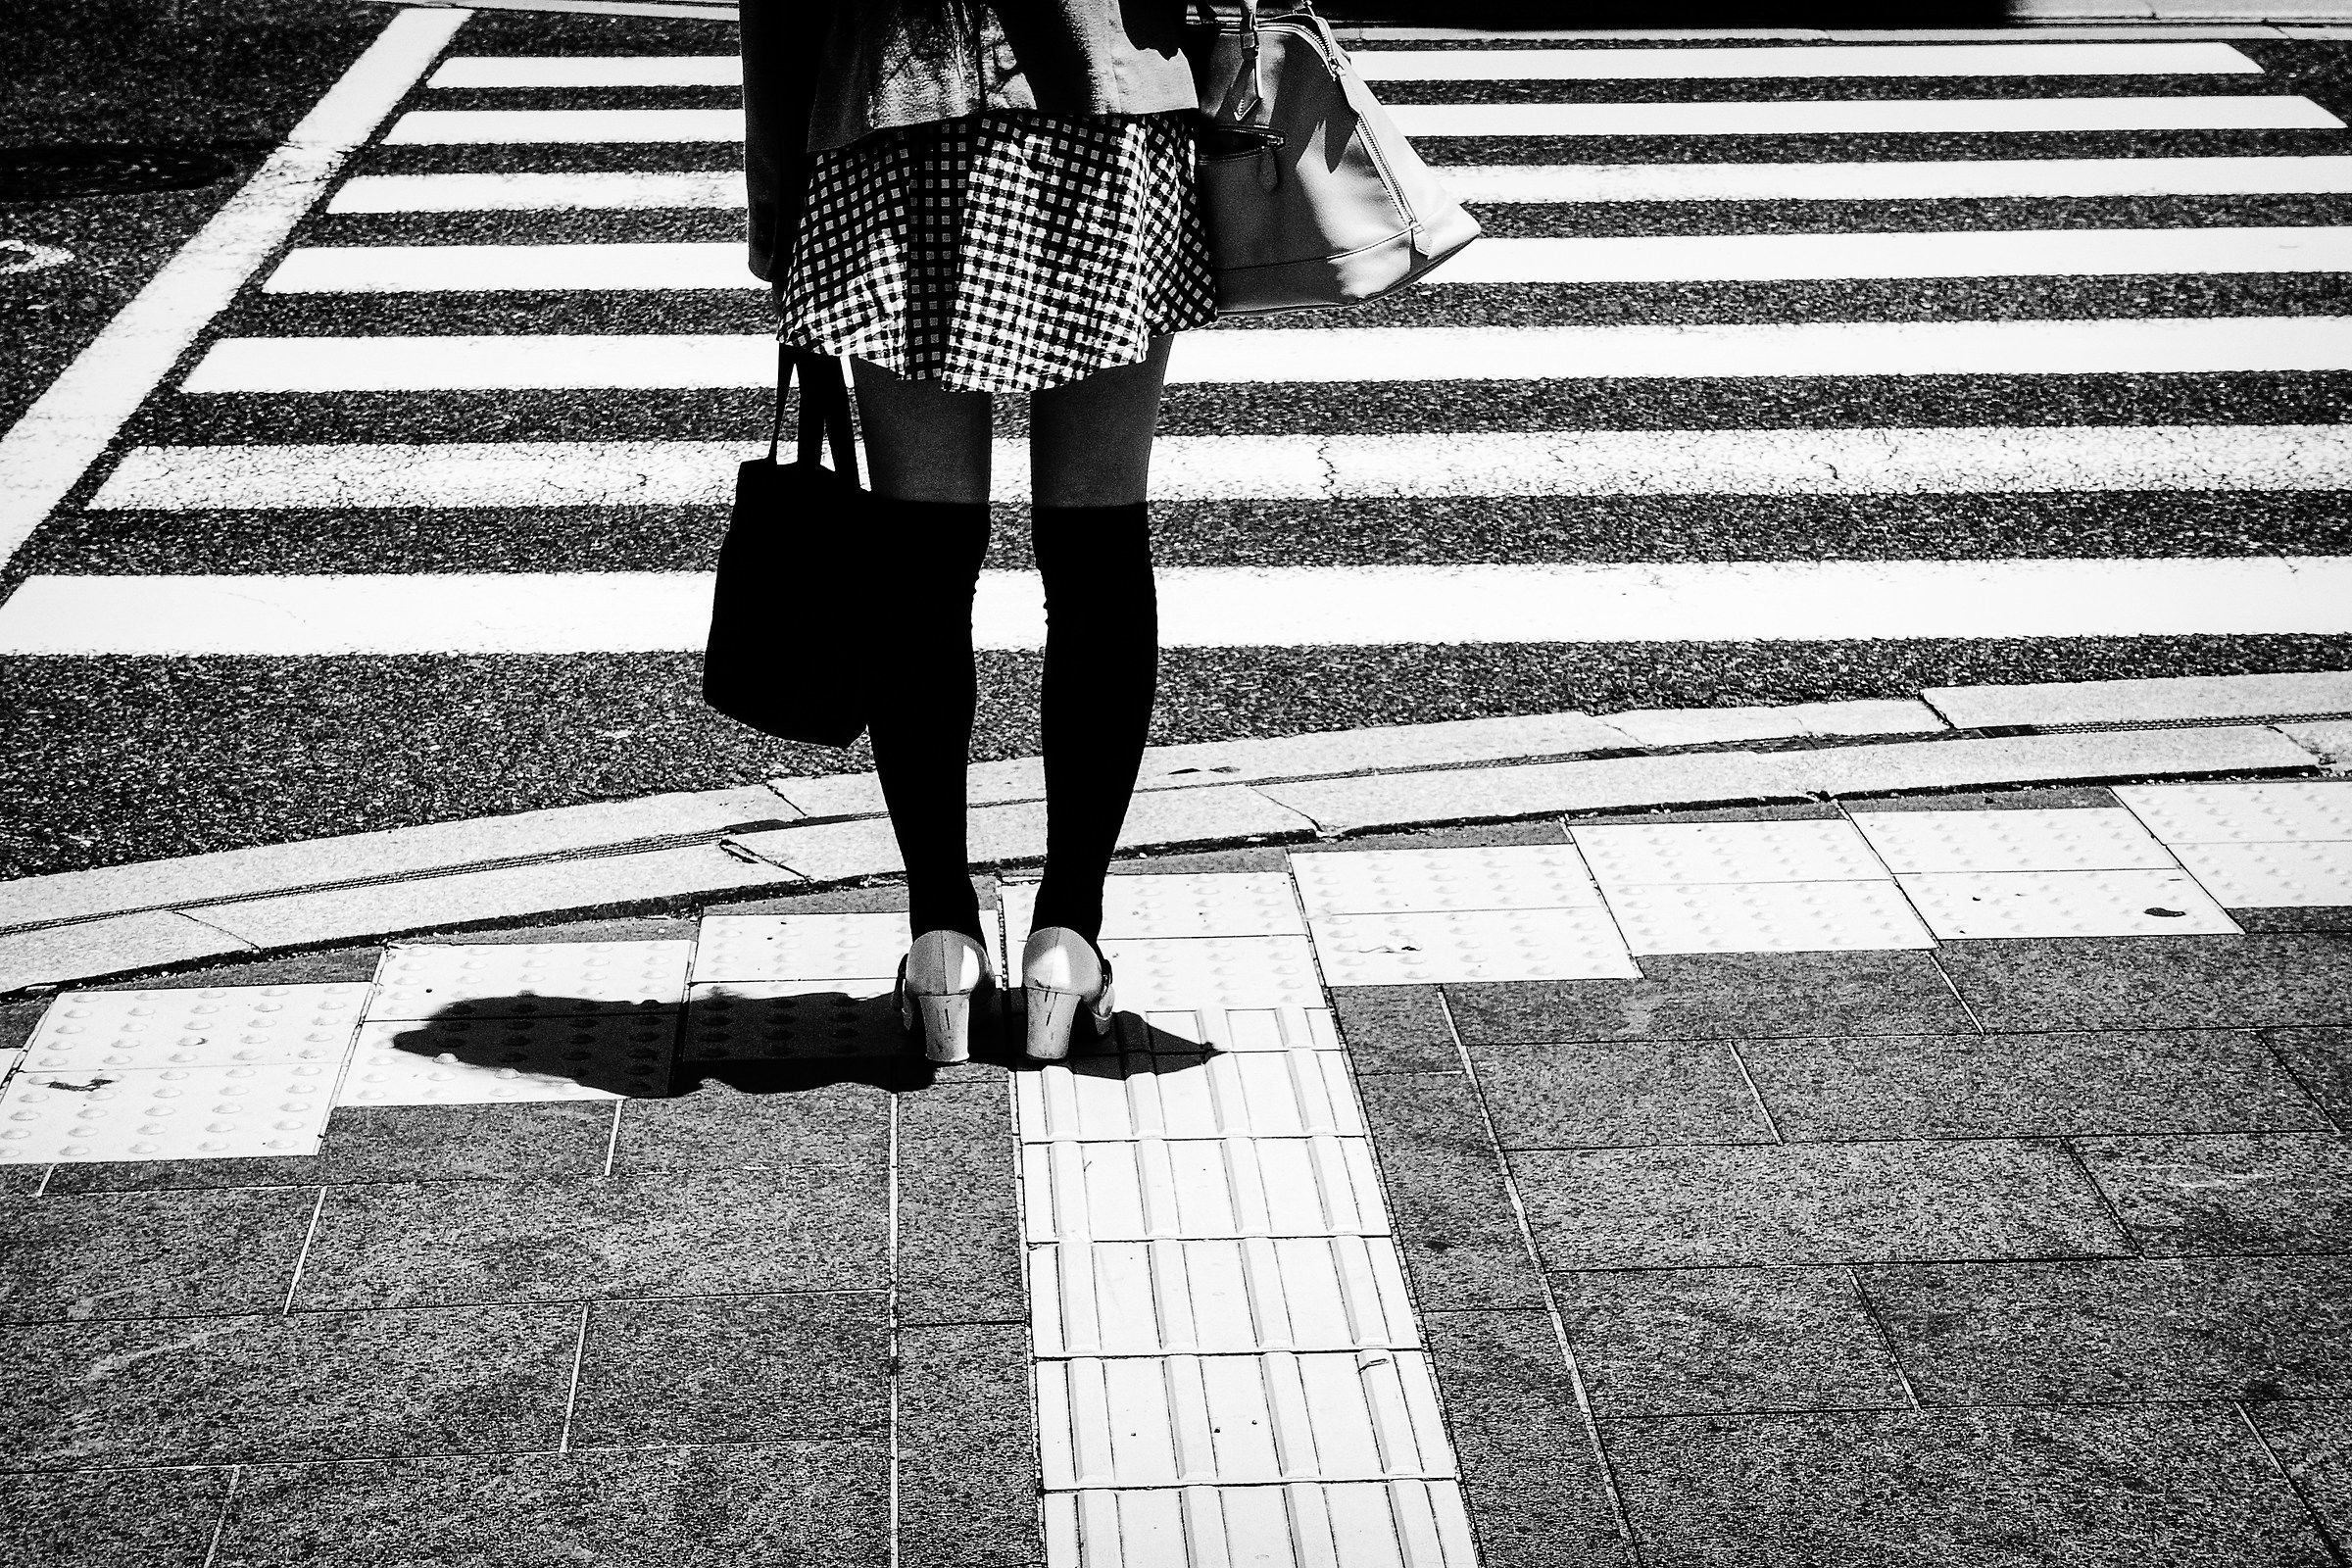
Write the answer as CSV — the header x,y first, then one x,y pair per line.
x,y
924,695
1101,654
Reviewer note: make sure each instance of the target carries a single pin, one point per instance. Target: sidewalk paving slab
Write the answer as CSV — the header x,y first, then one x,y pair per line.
x,y
2059,984
151,1255
112,1518
2223,1193
2124,1331
1696,1342
2120,1488
117,945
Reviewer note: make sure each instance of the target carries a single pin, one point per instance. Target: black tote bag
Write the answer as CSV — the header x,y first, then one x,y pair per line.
x,y
788,616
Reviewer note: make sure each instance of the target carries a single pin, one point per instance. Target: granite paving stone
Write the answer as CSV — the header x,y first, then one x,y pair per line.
x,y
150,1254
112,1518
967,1441
808,1504
1959,1488
1447,1195
2321,1061
1530,1474
959,1214
2253,981
22,1179
673,1233
314,1385
734,1369
2244,1192
2313,1439
1979,1086
1721,995
1809,1204
1684,1342
2120,1331
466,1143
1594,1094
1394,1028
757,1116
180,1175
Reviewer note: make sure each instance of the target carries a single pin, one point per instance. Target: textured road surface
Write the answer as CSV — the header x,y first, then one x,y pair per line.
x,y
116,758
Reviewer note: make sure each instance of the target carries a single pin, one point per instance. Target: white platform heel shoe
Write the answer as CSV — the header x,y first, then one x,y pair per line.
x,y
937,980
1061,978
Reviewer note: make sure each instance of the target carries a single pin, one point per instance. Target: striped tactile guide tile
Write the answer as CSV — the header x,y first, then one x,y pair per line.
x,y
1716,281
1228,1367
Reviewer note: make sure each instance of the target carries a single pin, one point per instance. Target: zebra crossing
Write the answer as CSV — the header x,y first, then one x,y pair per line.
x,y
520,316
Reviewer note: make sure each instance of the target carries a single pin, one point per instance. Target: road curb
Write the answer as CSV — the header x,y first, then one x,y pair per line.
x,y
677,850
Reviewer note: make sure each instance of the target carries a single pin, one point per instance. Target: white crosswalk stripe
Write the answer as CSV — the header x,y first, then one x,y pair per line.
x,y
1336,606
1492,184
2155,346
1997,460
1802,117
1639,259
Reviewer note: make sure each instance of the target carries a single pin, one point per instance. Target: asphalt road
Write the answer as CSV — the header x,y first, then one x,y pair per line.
x,y
116,758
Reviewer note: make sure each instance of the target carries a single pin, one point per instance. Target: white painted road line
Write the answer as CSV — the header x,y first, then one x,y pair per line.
x,y
1781,63
68,427
572,612
445,269
2155,346
2005,460
445,127
1497,65
698,70
1982,178
1945,253
1634,259
1815,116
529,192
1862,117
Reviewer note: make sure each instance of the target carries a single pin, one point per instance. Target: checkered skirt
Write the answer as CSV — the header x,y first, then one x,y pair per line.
x,y
1002,251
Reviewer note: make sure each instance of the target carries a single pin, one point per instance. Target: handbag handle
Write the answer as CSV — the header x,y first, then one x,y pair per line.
x,y
824,417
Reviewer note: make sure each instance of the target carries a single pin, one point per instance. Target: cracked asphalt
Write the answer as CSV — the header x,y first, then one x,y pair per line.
x,y
123,760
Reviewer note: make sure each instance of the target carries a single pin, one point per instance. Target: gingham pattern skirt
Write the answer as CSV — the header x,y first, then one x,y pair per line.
x,y
1002,251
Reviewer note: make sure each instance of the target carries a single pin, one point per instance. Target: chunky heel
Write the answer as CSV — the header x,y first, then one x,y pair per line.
x,y
937,981
1053,965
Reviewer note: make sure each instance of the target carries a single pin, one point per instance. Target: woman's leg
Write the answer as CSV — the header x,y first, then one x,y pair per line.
x,y
1090,463
928,448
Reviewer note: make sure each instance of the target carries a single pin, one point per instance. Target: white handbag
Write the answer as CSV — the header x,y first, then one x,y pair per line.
x,y
1309,196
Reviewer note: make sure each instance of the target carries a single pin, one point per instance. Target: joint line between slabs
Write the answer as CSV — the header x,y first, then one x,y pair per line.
x,y
890,1317
2278,1058
2106,1204
1894,1357
1740,1061
2310,1513
229,1504
572,1400
1551,1303
301,1258
613,1134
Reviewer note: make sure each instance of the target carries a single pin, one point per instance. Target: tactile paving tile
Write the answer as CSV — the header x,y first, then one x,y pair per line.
x,y
1178,1420
475,1062
2284,813
217,1112
1227,1029
2263,876
1224,904
215,1026
1182,975
1633,853
799,947
2066,903
2097,839
790,1019
1465,945
1200,1189
1503,876
1198,1094
1321,1293
1348,1524
528,979
1767,917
